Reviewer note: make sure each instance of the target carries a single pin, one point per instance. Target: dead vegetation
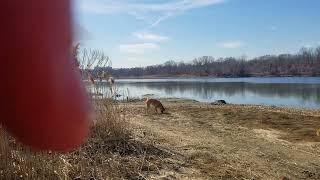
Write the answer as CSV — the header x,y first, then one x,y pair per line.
x,y
111,151
191,141
237,141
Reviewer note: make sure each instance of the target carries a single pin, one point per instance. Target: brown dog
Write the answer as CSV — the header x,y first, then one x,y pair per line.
x,y
157,105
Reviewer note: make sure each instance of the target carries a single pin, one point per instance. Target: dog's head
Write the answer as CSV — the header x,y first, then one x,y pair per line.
x,y
162,110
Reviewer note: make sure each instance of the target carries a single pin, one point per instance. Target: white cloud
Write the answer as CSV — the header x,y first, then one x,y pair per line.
x,y
231,44
110,6
307,46
152,13
141,17
311,44
160,19
150,37
139,48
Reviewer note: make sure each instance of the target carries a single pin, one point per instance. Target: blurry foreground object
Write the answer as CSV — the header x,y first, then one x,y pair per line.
x,y
43,101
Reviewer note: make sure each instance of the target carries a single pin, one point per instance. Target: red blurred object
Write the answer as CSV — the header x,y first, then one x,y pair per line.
x,y
43,103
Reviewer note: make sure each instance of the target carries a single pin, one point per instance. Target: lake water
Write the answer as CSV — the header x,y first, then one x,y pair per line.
x,y
285,91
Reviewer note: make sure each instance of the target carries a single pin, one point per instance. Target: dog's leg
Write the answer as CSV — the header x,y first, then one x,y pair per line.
x,y
147,108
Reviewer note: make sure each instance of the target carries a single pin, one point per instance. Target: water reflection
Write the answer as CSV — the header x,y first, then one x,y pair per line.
x,y
283,94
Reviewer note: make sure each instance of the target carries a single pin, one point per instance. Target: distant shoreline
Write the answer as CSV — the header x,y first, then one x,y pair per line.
x,y
248,105
185,76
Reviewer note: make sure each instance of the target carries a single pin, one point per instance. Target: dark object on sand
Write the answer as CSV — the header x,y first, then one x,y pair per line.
x,y
219,102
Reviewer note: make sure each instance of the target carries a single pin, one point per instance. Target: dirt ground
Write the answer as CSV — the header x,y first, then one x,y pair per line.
x,y
204,141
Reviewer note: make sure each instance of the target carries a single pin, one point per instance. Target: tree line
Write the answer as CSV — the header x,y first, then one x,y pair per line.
x,y
304,63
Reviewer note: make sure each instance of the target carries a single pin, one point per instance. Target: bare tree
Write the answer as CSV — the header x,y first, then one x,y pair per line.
x,y
92,62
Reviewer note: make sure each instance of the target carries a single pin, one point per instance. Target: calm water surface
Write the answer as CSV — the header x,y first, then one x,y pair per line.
x,y
293,92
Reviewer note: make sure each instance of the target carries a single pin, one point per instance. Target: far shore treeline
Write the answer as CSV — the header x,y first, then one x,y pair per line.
x,y
306,62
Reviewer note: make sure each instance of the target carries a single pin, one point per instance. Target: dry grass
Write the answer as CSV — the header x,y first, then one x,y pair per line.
x,y
236,141
191,141
110,152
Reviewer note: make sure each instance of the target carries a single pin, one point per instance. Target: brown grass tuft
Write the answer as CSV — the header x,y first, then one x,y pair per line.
x,y
109,152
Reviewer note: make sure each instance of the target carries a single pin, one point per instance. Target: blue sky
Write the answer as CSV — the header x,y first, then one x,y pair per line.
x,y
147,32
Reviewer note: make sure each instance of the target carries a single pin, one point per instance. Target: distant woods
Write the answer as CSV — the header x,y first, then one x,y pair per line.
x,y
304,63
